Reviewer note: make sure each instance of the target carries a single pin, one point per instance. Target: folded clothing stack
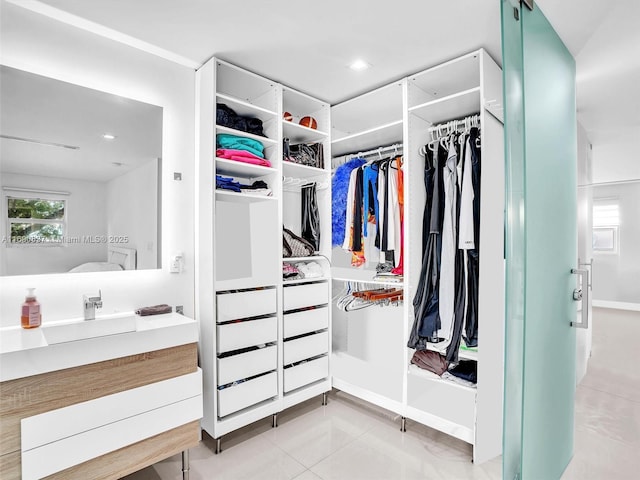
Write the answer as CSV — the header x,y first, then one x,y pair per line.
x,y
154,310
258,187
242,156
235,142
227,117
310,269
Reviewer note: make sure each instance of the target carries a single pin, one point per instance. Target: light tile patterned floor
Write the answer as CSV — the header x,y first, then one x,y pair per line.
x,y
351,440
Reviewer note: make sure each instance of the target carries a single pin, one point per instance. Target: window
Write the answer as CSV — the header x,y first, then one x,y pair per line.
x,y
35,221
606,221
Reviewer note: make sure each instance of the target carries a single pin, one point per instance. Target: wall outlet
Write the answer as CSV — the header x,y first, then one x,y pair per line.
x,y
175,263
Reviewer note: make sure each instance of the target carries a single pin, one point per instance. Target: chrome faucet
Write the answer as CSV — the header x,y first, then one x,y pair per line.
x,y
90,305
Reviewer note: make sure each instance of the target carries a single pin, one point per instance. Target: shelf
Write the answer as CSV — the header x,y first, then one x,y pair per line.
x,y
240,169
304,280
232,131
368,139
244,108
368,111
246,86
295,170
445,79
229,196
416,371
462,354
304,259
452,107
360,275
300,134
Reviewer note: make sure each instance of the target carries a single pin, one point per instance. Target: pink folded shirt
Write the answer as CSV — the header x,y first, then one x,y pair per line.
x,y
241,156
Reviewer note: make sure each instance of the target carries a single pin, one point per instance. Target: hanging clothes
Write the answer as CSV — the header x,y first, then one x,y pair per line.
x,y
310,215
339,188
446,300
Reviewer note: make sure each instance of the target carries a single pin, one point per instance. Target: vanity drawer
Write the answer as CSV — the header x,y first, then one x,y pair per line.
x,y
306,295
233,336
306,347
305,373
245,394
243,365
304,322
252,303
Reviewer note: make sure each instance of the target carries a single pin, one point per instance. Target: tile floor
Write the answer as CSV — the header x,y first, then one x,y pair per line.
x,y
351,440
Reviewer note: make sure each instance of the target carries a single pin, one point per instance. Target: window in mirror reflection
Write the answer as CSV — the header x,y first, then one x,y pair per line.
x,y
36,221
94,201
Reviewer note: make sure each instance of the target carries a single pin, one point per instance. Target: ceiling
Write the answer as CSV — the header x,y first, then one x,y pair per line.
x,y
49,111
309,46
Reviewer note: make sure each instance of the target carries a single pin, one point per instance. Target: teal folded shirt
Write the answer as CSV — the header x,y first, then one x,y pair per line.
x,y
224,140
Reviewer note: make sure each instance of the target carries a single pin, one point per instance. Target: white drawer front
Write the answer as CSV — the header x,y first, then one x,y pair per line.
x,y
234,306
245,394
306,295
306,347
306,321
305,373
243,365
233,336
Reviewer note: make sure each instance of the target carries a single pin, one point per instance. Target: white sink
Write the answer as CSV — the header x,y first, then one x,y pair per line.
x,y
83,329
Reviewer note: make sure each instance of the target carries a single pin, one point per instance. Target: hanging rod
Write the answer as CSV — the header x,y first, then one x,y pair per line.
x,y
301,182
337,161
471,121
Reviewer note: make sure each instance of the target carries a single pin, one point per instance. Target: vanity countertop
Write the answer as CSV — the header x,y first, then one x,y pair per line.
x,y
24,353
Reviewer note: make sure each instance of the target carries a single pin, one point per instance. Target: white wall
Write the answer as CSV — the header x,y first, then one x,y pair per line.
x,y
44,46
86,215
616,157
136,193
616,276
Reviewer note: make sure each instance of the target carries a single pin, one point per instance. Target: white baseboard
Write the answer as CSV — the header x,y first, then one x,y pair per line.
x,y
634,307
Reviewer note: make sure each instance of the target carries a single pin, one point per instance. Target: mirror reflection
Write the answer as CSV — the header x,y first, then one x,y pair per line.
x,y
80,174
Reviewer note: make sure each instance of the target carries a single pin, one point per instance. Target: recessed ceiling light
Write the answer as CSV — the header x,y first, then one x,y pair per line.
x,y
108,136
359,65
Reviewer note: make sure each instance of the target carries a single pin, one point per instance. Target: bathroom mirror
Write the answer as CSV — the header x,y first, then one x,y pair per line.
x,y
80,173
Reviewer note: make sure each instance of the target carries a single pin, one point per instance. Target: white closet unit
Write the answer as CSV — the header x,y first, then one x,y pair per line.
x,y
370,359
264,343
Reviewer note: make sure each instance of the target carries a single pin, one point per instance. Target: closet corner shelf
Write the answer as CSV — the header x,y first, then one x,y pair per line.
x,y
296,170
299,133
242,107
447,108
232,131
230,196
358,142
241,169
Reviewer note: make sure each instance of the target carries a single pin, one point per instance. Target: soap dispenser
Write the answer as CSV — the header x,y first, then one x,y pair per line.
x,y
31,317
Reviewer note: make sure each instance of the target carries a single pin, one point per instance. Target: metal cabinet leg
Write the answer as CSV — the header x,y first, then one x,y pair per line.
x,y
403,424
185,465
218,445
274,420
324,398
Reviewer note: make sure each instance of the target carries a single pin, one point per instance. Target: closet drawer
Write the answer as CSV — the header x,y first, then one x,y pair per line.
x,y
305,373
233,306
306,321
245,394
306,347
243,365
233,336
300,296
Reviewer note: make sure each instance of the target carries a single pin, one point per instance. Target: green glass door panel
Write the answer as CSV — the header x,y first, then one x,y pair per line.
x,y
541,237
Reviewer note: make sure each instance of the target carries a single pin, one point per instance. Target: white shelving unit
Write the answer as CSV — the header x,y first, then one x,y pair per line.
x,y
267,344
264,343
373,341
